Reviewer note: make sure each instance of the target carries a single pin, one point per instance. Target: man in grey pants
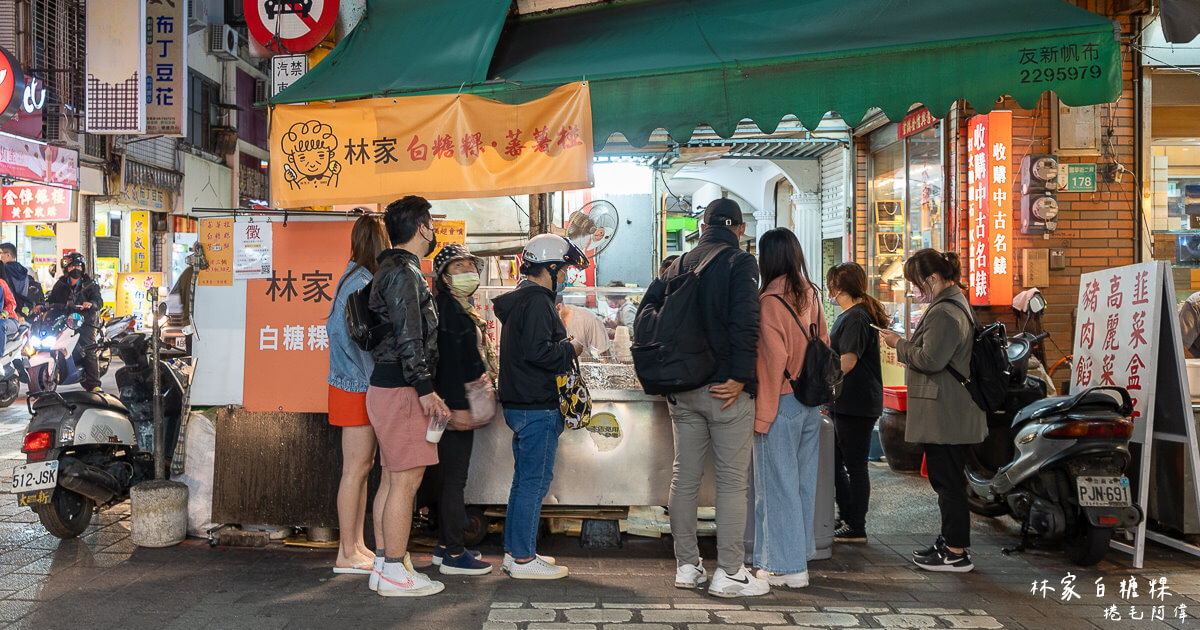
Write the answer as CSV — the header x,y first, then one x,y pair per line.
x,y
719,415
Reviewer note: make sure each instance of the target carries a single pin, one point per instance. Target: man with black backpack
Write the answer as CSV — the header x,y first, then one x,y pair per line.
x,y
708,345
25,289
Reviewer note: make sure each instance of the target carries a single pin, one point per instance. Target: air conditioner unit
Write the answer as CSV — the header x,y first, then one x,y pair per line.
x,y
197,15
261,93
223,41
62,125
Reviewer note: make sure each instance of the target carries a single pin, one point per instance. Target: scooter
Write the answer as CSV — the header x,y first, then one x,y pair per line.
x,y
112,331
52,355
86,450
10,360
1067,482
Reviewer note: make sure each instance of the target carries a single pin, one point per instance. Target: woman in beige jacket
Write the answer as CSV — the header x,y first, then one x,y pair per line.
x,y
941,414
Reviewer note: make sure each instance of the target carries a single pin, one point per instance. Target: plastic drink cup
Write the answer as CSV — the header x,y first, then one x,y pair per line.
x,y
437,426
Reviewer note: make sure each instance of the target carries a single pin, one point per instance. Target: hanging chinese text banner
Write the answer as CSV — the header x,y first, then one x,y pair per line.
x,y
442,147
166,68
216,235
989,172
36,202
287,348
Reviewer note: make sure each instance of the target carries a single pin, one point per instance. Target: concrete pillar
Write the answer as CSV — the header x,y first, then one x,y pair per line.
x,y
158,513
807,219
764,222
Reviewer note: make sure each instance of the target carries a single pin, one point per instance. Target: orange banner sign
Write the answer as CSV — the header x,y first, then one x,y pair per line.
x,y
442,147
989,177
287,347
216,235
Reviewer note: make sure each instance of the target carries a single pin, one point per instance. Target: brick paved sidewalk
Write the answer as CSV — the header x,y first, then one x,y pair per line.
x,y
102,581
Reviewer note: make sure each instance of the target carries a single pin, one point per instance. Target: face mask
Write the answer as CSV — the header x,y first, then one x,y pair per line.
x,y
920,296
75,274
831,299
432,243
464,284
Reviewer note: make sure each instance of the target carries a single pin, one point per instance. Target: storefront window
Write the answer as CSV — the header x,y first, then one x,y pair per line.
x,y
904,212
1175,176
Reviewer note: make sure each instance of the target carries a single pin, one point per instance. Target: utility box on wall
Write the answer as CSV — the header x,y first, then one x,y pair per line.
x,y
1035,265
1075,131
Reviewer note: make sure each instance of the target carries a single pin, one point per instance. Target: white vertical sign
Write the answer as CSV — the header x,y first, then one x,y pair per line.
x,y
285,69
251,250
166,67
116,67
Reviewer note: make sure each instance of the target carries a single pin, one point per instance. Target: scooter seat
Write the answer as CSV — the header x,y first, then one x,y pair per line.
x,y
1096,399
104,401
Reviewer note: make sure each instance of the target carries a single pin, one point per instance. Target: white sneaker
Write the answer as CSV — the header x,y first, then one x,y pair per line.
x,y
536,569
398,581
794,580
740,584
508,561
691,575
377,570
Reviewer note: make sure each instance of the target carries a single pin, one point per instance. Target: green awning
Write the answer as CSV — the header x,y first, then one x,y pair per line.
x,y
678,64
400,44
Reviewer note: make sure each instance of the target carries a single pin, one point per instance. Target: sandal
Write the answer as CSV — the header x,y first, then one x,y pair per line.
x,y
362,568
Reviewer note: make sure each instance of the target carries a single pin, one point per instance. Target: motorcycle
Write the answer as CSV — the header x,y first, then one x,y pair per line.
x,y
1067,483
53,356
84,450
112,331
10,359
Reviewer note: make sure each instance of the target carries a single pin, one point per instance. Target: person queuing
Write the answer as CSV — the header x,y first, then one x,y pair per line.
x,y
585,327
854,412
534,349
941,413
77,292
401,397
26,290
349,375
719,415
666,264
787,432
462,348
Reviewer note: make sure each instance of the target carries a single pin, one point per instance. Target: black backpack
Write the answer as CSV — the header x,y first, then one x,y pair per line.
x,y
363,326
820,380
670,346
990,367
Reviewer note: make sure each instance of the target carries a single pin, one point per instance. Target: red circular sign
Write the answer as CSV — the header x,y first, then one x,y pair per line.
x,y
12,85
290,26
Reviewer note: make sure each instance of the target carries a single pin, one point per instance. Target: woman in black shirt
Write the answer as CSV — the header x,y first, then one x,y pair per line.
x,y
854,413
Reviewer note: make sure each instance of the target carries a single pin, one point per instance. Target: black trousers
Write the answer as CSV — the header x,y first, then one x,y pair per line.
x,y
945,463
454,460
851,480
87,348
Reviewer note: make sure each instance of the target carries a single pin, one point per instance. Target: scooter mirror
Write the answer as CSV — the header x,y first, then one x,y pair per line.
x,y
1037,304
75,321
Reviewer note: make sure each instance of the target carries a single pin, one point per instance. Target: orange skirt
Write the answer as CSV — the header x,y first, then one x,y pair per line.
x,y
347,409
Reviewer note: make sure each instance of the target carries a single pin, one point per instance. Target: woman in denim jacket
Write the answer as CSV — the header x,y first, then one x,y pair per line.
x,y
349,374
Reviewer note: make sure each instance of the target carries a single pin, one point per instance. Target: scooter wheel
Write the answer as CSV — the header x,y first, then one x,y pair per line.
x,y
983,507
67,514
9,390
1089,545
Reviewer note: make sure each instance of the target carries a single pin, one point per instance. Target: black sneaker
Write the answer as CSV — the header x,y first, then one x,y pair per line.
x,y
945,560
847,534
930,550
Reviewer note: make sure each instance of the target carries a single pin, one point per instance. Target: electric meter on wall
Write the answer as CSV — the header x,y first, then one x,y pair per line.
x,y
1045,208
1039,185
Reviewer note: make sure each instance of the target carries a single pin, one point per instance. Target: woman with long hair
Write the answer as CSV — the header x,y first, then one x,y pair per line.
x,y
786,432
854,412
465,354
349,374
942,416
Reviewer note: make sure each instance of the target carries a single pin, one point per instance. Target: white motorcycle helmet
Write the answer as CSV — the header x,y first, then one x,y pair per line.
x,y
552,252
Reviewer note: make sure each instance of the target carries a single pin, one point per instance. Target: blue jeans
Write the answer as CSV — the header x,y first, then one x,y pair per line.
x,y
785,488
534,444
8,326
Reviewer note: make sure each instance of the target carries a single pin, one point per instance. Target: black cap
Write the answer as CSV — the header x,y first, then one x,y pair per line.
x,y
723,212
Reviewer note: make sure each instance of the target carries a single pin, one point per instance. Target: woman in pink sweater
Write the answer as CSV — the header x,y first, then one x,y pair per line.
x,y
786,432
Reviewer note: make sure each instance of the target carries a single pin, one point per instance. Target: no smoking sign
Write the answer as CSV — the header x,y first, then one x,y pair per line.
x,y
290,26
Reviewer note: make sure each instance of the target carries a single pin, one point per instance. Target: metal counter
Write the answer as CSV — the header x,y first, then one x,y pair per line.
x,y
592,469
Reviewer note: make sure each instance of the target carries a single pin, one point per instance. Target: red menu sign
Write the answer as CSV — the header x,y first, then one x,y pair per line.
x,y
989,155
917,121
36,203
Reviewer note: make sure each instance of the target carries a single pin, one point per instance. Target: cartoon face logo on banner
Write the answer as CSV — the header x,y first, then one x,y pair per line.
x,y
12,85
310,148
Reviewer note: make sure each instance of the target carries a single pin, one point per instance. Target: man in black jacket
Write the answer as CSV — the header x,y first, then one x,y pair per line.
x,y
719,415
77,292
401,397
19,280
534,349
